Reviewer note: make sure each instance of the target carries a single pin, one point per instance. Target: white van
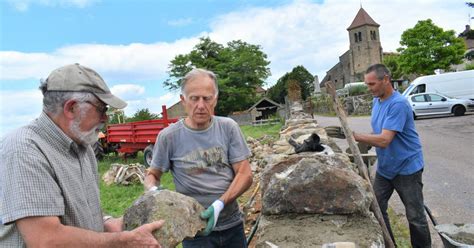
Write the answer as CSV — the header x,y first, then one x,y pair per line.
x,y
454,84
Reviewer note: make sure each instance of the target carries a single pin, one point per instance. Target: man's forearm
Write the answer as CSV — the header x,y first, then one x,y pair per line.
x,y
242,181
49,232
150,181
378,140
152,178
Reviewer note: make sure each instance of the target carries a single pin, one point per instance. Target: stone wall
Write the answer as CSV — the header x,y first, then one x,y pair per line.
x,y
310,199
244,118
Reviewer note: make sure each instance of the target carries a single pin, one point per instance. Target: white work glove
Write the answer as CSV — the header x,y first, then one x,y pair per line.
x,y
155,188
212,214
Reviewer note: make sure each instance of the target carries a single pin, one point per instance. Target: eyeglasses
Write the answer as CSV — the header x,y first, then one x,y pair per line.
x,y
101,109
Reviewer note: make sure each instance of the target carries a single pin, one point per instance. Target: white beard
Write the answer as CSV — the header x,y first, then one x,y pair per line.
x,y
85,137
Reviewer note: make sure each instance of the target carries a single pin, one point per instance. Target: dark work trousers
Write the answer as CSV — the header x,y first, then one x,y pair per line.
x,y
233,237
410,190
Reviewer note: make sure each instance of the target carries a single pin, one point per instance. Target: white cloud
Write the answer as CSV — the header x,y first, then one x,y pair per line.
x,y
128,91
18,108
315,35
300,33
180,22
23,5
152,103
114,62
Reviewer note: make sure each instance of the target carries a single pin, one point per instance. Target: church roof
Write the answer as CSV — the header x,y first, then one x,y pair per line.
x,y
361,19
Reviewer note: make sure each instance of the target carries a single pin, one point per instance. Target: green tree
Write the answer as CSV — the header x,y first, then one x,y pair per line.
x,y
301,75
240,68
427,47
391,61
116,116
142,115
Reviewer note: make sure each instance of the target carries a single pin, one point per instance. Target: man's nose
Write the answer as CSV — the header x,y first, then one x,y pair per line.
x,y
201,103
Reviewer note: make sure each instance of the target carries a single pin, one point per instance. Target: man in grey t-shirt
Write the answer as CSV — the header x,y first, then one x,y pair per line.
x,y
208,158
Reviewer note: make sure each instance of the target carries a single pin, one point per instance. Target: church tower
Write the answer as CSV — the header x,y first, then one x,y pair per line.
x,y
365,48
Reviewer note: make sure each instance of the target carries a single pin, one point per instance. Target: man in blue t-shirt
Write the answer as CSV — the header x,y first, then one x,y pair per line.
x,y
399,153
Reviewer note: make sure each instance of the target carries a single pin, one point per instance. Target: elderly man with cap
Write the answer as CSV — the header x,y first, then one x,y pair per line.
x,y
49,194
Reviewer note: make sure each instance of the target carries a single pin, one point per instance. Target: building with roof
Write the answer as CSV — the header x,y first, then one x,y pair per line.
x,y
263,111
364,50
176,110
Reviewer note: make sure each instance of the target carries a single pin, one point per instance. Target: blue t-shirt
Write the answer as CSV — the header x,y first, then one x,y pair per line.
x,y
403,156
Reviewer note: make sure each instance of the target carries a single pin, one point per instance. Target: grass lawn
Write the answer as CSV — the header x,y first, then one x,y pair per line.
x,y
399,229
260,131
116,198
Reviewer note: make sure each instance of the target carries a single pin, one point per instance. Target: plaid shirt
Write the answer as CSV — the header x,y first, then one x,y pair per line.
x,y
43,172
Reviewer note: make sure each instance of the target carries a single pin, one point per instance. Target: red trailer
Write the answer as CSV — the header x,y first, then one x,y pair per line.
x,y
130,138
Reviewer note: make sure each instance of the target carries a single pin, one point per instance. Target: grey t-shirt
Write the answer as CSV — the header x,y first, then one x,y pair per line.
x,y
201,162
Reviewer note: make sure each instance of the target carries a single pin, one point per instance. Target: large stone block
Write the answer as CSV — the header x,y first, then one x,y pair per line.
x,y
314,184
295,231
180,212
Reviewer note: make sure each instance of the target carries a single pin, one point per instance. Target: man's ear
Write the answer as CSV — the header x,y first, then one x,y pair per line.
x,y
182,98
70,106
386,78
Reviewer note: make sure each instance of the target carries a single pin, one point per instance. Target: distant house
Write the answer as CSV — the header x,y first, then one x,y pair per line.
x,y
261,111
265,109
468,36
260,92
176,111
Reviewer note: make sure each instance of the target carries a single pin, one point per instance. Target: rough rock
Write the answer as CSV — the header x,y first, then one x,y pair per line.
x,y
294,122
292,231
314,185
180,212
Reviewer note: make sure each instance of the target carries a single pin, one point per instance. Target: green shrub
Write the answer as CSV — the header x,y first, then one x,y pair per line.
x,y
470,66
358,90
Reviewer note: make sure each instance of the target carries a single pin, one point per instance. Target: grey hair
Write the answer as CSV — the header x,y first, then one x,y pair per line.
x,y
380,71
53,101
197,72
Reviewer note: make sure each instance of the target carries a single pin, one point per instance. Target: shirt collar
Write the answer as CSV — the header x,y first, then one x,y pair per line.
x,y
55,132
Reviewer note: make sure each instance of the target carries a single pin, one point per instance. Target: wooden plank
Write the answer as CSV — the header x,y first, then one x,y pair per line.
x,y
341,114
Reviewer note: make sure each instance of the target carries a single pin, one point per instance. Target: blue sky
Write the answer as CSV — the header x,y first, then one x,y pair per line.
x,y
130,43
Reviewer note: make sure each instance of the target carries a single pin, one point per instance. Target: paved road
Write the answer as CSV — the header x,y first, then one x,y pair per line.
x,y
448,148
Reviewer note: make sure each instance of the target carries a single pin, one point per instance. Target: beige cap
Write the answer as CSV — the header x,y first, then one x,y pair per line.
x,y
76,77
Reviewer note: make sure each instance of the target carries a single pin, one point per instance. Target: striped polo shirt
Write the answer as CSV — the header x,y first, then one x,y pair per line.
x,y
43,172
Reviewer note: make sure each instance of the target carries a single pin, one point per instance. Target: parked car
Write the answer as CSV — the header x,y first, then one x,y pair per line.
x,y
456,84
425,104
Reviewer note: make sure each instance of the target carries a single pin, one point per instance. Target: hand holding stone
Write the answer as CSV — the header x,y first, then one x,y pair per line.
x,y
211,214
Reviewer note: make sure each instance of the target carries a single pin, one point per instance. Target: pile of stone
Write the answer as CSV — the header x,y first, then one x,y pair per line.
x,y
311,199
125,174
260,148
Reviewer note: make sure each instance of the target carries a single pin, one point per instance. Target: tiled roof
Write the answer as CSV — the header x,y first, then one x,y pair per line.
x,y
362,18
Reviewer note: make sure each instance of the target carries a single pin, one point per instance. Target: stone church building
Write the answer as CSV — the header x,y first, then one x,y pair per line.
x,y
364,50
